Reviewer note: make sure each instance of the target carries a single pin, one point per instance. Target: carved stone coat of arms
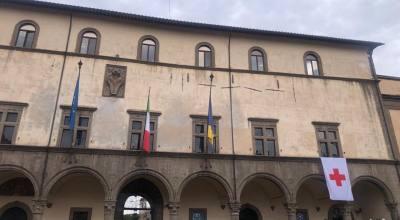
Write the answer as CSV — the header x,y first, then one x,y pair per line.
x,y
114,81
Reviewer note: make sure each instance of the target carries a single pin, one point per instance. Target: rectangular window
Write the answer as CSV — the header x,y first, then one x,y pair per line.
x,y
9,122
301,214
137,123
80,214
79,137
197,214
328,139
265,137
201,143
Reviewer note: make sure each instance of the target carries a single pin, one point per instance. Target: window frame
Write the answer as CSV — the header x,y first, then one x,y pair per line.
x,y
90,38
197,210
304,211
9,107
204,56
14,38
203,120
80,38
77,209
156,52
196,55
264,123
319,63
264,54
137,115
326,127
86,112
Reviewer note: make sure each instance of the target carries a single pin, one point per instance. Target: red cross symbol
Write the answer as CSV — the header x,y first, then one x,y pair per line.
x,y
337,177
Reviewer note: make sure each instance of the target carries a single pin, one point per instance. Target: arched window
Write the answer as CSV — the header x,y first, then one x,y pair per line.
x,y
313,64
257,60
205,59
26,36
148,50
88,43
137,207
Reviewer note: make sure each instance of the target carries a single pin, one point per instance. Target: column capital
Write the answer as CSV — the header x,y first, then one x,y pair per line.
x,y
173,207
345,208
38,206
234,207
109,207
290,207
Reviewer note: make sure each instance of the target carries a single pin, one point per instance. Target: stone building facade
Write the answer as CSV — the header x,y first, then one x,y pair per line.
x,y
280,101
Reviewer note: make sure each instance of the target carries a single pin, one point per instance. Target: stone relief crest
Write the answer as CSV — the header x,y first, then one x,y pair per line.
x,y
114,81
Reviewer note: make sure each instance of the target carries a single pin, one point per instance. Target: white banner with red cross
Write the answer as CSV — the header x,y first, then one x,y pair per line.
x,y
337,178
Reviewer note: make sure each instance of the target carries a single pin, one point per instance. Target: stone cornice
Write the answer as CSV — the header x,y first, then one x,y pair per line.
x,y
97,151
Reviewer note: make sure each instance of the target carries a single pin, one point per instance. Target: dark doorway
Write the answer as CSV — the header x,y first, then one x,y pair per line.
x,y
14,213
139,200
248,214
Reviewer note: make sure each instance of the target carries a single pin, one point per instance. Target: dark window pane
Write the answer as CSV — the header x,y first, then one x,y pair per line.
x,y
92,46
66,138
253,63
315,68
12,117
21,39
271,148
270,132
321,134
80,216
207,59
144,52
199,141
81,138
335,149
152,124
135,141
199,129
29,39
301,215
324,149
66,120
152,55
1,116
258,131
211,147
8,132
137,125
332,135
215,143
151,142
259,147
83,122
260,63
84,46
309,67
215,129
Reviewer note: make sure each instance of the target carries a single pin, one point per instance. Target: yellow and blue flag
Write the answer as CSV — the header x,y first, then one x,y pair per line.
x,y
74,106
210,130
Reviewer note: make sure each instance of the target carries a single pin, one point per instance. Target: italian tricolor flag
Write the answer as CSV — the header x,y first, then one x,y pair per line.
x,y
146,139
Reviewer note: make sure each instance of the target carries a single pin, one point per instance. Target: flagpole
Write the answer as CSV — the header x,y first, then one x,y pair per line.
x,y
208,124
73,131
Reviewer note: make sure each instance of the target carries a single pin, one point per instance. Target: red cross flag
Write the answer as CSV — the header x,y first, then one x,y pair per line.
x,y
337,178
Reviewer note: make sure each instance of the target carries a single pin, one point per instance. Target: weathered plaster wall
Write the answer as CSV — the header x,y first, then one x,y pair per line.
x,y
395,116
389,87
177,45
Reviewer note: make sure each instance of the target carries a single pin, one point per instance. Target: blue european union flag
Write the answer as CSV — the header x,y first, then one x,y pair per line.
x,y
74,106
210,129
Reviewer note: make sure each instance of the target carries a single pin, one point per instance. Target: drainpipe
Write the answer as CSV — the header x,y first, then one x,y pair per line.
x,y
55,109
385,120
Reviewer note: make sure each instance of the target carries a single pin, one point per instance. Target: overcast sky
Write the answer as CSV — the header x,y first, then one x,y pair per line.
x,y
372,20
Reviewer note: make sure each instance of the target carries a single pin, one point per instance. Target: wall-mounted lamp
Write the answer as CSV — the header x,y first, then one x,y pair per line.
x,y
117,56
222,207
317,208
272,208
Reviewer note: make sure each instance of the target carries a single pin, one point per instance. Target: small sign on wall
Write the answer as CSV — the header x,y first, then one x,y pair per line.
x,y
197,214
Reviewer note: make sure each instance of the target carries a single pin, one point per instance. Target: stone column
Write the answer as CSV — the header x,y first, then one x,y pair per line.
x,y
109,209
38,208
393,210
235,209
345,209
291,209
173,208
